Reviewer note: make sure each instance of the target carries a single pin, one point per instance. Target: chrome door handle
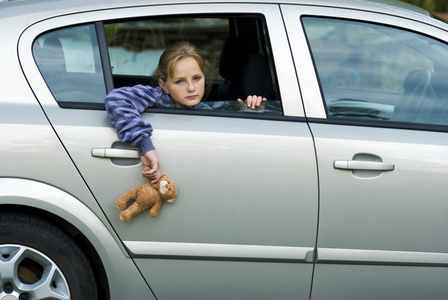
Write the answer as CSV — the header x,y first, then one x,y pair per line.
x,y
114,153
363,165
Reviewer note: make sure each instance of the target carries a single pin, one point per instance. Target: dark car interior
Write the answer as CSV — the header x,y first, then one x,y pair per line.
x,y
243,64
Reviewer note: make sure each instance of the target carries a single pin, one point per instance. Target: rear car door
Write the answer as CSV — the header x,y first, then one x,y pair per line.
x,y
376,98
245,219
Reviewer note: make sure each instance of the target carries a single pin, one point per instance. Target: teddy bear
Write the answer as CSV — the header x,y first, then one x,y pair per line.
x,y
147,196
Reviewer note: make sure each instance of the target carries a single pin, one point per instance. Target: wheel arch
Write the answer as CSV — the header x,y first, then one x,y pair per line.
x,y
107,254
80,239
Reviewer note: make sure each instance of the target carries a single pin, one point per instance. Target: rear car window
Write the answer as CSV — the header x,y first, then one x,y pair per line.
x,y
374,72
226,43
69,61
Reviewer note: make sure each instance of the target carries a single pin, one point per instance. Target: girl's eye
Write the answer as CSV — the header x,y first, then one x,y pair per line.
x,y
178,82
197,78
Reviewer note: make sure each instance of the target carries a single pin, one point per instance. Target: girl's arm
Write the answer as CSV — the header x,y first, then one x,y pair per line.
x,y
124,106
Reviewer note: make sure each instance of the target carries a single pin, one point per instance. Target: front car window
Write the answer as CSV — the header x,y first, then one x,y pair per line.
x,y
369,71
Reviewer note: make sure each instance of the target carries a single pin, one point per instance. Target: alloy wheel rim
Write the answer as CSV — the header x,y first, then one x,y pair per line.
x,y
28,274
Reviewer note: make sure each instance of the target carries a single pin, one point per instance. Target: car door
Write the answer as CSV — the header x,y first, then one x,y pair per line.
x,y
376,104
244,223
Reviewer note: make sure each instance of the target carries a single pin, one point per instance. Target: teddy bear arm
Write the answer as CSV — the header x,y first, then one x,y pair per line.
x,y
154,211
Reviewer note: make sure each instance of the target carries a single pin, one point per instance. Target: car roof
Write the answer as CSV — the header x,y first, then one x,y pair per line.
x,y
54,6
26,12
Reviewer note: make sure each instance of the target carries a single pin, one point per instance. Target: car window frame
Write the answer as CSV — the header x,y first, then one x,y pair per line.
x,y
290,93
308,80
264,44
382,29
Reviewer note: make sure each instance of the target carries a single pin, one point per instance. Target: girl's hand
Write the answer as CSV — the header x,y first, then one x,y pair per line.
x,y
253,102
151,164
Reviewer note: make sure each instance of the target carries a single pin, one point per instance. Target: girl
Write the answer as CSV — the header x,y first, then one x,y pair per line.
x,y
181,79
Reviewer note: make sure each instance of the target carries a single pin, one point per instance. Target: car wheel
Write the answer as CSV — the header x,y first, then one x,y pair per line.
x,y
40,261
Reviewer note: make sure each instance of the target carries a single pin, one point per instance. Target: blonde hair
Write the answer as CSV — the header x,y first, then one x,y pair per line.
x,y
175,53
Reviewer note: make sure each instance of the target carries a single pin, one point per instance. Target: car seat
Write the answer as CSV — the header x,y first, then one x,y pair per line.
x,y
418,100
246,72
50,59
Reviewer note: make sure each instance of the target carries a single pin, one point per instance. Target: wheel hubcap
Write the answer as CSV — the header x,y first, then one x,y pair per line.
x,y
27,274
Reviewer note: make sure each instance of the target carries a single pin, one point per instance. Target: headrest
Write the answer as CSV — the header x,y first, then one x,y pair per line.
x,y
246,70
230,58
52,58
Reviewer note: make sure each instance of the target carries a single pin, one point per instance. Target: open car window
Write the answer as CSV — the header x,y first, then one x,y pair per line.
x,y
236,49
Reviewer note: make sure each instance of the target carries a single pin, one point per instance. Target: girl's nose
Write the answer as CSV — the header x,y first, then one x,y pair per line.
x,y
190,87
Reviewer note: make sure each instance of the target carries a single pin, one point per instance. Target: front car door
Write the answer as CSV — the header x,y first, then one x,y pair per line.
x,y
376,97
244,223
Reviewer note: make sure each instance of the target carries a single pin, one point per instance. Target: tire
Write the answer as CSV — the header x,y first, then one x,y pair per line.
x,y
40,261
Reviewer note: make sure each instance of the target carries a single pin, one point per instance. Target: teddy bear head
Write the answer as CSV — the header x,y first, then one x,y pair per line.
x,y
167,189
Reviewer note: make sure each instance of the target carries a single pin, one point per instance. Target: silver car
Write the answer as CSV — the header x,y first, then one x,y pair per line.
x,y
338,189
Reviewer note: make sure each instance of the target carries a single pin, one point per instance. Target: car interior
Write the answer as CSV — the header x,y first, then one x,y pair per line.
x,y
243,64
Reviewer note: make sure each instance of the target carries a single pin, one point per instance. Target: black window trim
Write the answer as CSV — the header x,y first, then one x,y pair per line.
x,y
104,56
380,124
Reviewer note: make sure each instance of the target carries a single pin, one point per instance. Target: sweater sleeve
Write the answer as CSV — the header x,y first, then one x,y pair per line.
x,y
124,107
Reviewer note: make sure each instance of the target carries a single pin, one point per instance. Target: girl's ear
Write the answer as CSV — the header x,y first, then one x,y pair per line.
x,y
163,85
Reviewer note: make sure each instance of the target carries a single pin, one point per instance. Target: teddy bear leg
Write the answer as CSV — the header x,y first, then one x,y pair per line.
x,y
131,211
155,209
123,200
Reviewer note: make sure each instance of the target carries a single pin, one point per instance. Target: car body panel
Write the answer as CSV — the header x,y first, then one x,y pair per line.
x,y
227,279
380,204
372,282
227,204
364,214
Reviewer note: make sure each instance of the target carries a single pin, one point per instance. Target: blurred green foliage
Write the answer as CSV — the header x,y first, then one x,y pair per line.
x,y
430,5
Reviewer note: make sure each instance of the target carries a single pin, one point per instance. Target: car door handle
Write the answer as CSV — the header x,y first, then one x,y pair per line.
x,y
114,153
363,165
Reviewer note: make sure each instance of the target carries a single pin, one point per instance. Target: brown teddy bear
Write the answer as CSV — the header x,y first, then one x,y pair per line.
x,y
147,196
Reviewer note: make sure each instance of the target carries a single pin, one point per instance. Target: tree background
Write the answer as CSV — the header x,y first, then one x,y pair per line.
x,y
431,5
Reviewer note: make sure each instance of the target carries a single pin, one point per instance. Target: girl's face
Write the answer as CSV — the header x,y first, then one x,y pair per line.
x,y
187,83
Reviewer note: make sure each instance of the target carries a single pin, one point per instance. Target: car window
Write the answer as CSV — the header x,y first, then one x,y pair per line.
x,y
373,72
70,63
236,49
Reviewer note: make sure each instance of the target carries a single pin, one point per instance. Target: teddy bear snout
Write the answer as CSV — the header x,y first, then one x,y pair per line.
x,y
164,187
